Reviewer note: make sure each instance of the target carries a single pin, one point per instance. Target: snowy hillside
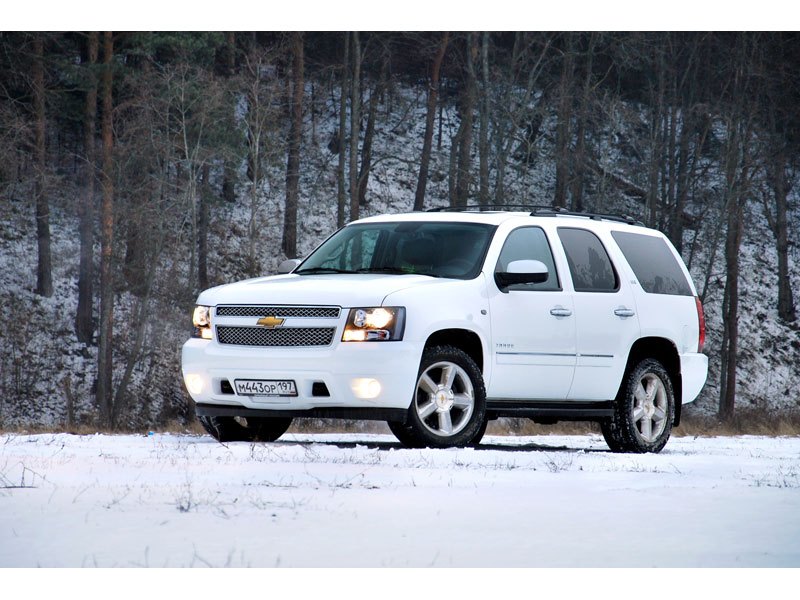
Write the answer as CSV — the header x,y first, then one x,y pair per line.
x,y
48,377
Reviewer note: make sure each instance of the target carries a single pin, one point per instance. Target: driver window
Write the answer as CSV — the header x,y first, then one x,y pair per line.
x,y
529,243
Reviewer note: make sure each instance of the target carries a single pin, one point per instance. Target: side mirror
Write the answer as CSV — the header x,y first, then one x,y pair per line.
x,y
289,265
521,271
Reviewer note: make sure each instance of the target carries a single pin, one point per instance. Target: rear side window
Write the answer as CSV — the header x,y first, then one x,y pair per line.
x,y
654,264
589,264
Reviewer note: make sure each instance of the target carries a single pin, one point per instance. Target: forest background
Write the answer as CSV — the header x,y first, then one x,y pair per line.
x,y
138,168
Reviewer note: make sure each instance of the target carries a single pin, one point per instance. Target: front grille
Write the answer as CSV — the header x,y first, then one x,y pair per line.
x,y
287,336
320,312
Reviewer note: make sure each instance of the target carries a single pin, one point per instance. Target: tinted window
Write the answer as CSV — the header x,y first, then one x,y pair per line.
x,y
454,250
529,243
654,264
589,265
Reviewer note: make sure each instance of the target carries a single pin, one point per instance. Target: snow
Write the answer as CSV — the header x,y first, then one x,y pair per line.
x,y
362,500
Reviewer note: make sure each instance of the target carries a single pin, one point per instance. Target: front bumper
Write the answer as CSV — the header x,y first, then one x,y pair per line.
x,y
339,367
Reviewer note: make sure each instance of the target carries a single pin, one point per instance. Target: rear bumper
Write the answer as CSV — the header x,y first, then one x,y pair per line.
x,y
694,370
340,368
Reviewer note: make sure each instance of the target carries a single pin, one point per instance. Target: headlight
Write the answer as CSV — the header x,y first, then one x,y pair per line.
x,y
379,324
201,318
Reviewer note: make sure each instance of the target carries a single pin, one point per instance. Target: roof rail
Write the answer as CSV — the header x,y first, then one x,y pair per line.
x,y
556,211
489,208
539,211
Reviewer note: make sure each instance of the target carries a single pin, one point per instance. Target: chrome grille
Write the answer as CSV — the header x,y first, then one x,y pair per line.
x,y
320,312
285,336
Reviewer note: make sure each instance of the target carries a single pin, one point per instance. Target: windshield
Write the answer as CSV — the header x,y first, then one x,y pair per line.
x,y
454,250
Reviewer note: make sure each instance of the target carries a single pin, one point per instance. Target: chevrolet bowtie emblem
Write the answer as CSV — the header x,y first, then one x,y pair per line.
x,y
270,322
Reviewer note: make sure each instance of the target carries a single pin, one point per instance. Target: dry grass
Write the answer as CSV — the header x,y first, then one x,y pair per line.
x,y
745,422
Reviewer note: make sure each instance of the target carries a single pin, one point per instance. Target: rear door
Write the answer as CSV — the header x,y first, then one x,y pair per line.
x,y
606,319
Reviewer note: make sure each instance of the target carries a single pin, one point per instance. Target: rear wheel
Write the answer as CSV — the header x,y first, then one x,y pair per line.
x,y
643,411
239,429
449,404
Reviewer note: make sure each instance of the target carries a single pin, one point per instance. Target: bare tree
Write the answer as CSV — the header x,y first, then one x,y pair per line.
x,y
579,158
355,125
563,129
430,116
483,133
467,110
293,161
519,80
260,92
779,224
106,344
341,213
44,275
84,326
738,171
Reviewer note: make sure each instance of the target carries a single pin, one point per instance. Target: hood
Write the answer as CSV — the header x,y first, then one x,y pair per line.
x,y
344,290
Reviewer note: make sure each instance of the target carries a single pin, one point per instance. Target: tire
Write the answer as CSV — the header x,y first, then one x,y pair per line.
x,y
644,410
403,433
449,404
232,429
476,440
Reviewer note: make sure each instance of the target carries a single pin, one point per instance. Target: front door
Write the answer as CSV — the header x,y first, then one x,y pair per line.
x,y
533,327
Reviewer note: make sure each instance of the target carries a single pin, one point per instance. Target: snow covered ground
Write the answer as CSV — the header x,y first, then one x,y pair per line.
x,y
362,500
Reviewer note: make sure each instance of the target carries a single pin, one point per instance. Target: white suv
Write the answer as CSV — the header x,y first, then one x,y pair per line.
x,y
437,322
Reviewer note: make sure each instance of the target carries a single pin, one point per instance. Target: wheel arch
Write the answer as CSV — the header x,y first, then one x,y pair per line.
x,y
464,339
665,352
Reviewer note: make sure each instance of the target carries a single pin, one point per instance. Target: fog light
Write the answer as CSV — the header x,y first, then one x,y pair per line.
x,y
194,383
366,388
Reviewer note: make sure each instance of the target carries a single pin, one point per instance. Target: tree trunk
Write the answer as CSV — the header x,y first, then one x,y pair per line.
x,y
483,133
228,170
133,207
730,308
467,118
453,165
780,228
430,117
366,149
355,125
341,190
202,230
44,276
84,326
583,114
682,180
105,350
293,162
563,129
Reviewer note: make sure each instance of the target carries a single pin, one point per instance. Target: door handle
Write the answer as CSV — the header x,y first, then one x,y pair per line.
x,y
623,312
560,311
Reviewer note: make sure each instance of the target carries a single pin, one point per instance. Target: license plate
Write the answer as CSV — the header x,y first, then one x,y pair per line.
x,y
265,387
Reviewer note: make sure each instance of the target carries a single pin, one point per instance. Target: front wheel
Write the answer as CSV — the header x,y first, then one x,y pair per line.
x,y
643,411
236,429
449,404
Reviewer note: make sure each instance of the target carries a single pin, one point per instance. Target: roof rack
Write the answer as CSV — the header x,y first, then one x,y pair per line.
x,y
539,211
489,208
555,211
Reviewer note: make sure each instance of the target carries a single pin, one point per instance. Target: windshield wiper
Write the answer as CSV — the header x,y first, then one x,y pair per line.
x,y
393,271
396,270
321,270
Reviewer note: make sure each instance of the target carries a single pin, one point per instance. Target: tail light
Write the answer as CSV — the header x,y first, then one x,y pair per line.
x,y
701,321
